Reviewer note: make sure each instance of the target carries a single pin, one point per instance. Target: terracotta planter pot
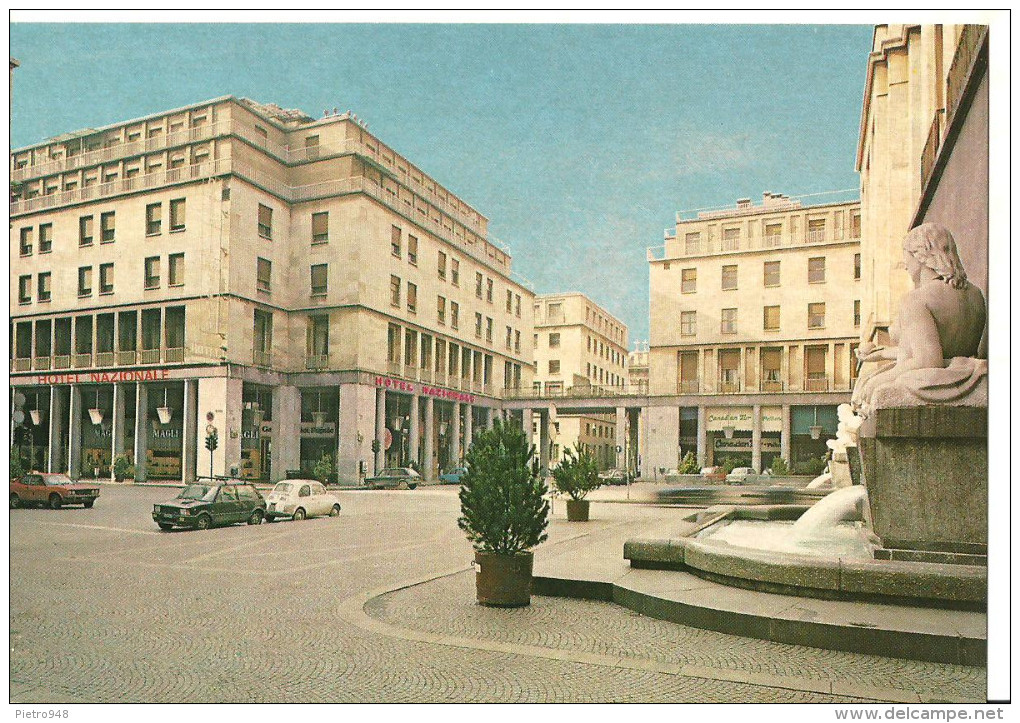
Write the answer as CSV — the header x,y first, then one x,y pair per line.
x,y
503,580
577,510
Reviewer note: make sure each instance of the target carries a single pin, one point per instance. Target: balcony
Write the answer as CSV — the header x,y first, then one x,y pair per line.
x,y
173,354
261,358
317,361
149,356
41,363
62,361
82,360
815,237
817,384
729,387
22,365
105,359
127,356
771,385
689,386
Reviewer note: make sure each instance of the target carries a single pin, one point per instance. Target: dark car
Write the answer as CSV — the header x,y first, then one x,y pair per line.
x,y
395,477
210,502
51,490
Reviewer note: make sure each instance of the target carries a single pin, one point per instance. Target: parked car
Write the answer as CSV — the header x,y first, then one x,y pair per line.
x,y
743,476
394,477
210,502
613,477
300,498
713,474
453,476
51,490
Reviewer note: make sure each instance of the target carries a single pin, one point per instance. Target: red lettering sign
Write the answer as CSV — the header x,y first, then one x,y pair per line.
x,y
144,375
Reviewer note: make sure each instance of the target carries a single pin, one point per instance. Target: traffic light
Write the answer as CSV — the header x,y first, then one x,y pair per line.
x,y
375,446
212,440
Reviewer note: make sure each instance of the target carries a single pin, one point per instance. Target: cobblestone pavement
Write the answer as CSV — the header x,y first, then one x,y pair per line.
x,y
106,608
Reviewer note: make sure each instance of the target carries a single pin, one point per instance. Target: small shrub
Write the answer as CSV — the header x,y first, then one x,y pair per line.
x,y
323,470
122,467
689,464
577,474
17,466
729,464
779,467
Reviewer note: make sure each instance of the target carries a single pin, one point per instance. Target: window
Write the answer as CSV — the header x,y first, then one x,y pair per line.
x,y
688,323
441,309
731,239
488,329
857,312
396,241
729,277
555,313
320,279
857,259
45,238
152,272
262,133
441,266
554,340
393,344
509,301
25,289
265,221
84,281
816,230
264,274
478,325
320,227
688,281
177,214
488,290
816,316
454,315
455,272
773,232
153,216
816,270
107,229
26,241
517,341
45,286
412,298
175,270
395,291
509,337
412,250
85,231
855,225
771,273
728,319
478,285
517,305
692,243
771,318
554,366
105,279
263,335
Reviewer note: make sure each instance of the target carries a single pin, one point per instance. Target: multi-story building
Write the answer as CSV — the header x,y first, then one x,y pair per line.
x,y
291,283
755,316
637,368
580,350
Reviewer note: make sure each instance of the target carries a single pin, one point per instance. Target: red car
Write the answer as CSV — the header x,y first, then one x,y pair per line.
x,y
52,490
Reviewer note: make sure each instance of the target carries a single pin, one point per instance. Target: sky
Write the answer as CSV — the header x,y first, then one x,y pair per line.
x,y
578,142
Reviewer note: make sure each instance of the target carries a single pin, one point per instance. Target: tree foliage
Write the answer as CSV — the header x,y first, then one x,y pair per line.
x,y
577,474
689,464
779,467
502,495
17,467
323,470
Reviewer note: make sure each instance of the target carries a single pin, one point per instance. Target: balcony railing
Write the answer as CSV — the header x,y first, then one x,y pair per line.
x,y
173,354
82,360
105,358
816,385
729,387
62,361
317,361
262,358
689,386
41,363
127,356
771,386
148,356
23,364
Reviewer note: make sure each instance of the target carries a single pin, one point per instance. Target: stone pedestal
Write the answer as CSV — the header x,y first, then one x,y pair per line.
x,y
926,471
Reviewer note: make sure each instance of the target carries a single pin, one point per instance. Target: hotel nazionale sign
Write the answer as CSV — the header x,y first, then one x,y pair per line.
x,y
145,375
410,388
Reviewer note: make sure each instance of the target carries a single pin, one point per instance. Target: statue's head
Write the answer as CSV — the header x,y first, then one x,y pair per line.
x,y
933,247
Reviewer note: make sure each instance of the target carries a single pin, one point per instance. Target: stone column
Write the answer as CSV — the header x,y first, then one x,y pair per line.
x,y
489,418
830,367
117,423
646,470
544,440
469,421
142,431
192,439
620,437
756,437
355,432
74,434
702,436
427,470
380,427
413,434
455,447
784,435
527,424
56,451
286,431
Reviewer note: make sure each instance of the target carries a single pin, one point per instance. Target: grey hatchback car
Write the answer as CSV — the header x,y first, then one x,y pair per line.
x,y
211,502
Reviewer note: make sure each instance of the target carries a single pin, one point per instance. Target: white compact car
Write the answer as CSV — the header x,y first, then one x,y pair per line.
x,y
300,498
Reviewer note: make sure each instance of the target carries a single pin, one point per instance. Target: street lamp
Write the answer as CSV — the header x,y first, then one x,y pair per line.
x,y
728,431
164,413
816,430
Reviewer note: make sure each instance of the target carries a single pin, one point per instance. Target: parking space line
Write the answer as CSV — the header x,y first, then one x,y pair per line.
x,y
100,527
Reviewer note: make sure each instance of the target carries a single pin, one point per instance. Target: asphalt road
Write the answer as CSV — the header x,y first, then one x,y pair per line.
x,y
106,608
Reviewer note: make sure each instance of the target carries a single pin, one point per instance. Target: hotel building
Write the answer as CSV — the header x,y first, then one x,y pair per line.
x,y
292,284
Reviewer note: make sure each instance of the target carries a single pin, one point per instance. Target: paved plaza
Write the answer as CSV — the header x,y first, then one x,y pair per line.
x,y
376,606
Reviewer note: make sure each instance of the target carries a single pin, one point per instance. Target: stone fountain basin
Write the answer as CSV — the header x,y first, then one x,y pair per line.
x,y
808,575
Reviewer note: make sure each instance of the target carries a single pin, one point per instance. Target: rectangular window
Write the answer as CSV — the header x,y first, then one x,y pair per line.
x,y
773,233
175,270
320,279
728,319
395,291
25,289
771,273
455,272
85,231
393,344
731,239
488,290
509,338
692,243
488,329
454,315
855,224
264,274
816,316
318,336
263,336
26,241
412,250
412,298
816,270
688,323
177,214
857,259
554,340
554,366
478,325
153,218
517,341
509,301
441,309
814,366
478,285
816,230
265,221
688,281
45,238
396,241
517,305
84,281
729,277
105,279
152,272
771,318
320,227
45,286
107,230
441,266
857,312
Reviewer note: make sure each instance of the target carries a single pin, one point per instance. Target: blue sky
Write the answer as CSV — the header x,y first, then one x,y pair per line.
x,y
579,142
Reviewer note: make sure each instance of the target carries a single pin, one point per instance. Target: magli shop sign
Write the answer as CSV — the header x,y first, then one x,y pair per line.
x,y
399,385
141,375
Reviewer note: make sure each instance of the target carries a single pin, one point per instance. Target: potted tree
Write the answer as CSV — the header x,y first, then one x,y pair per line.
x,y
576,476
122,468
504,513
